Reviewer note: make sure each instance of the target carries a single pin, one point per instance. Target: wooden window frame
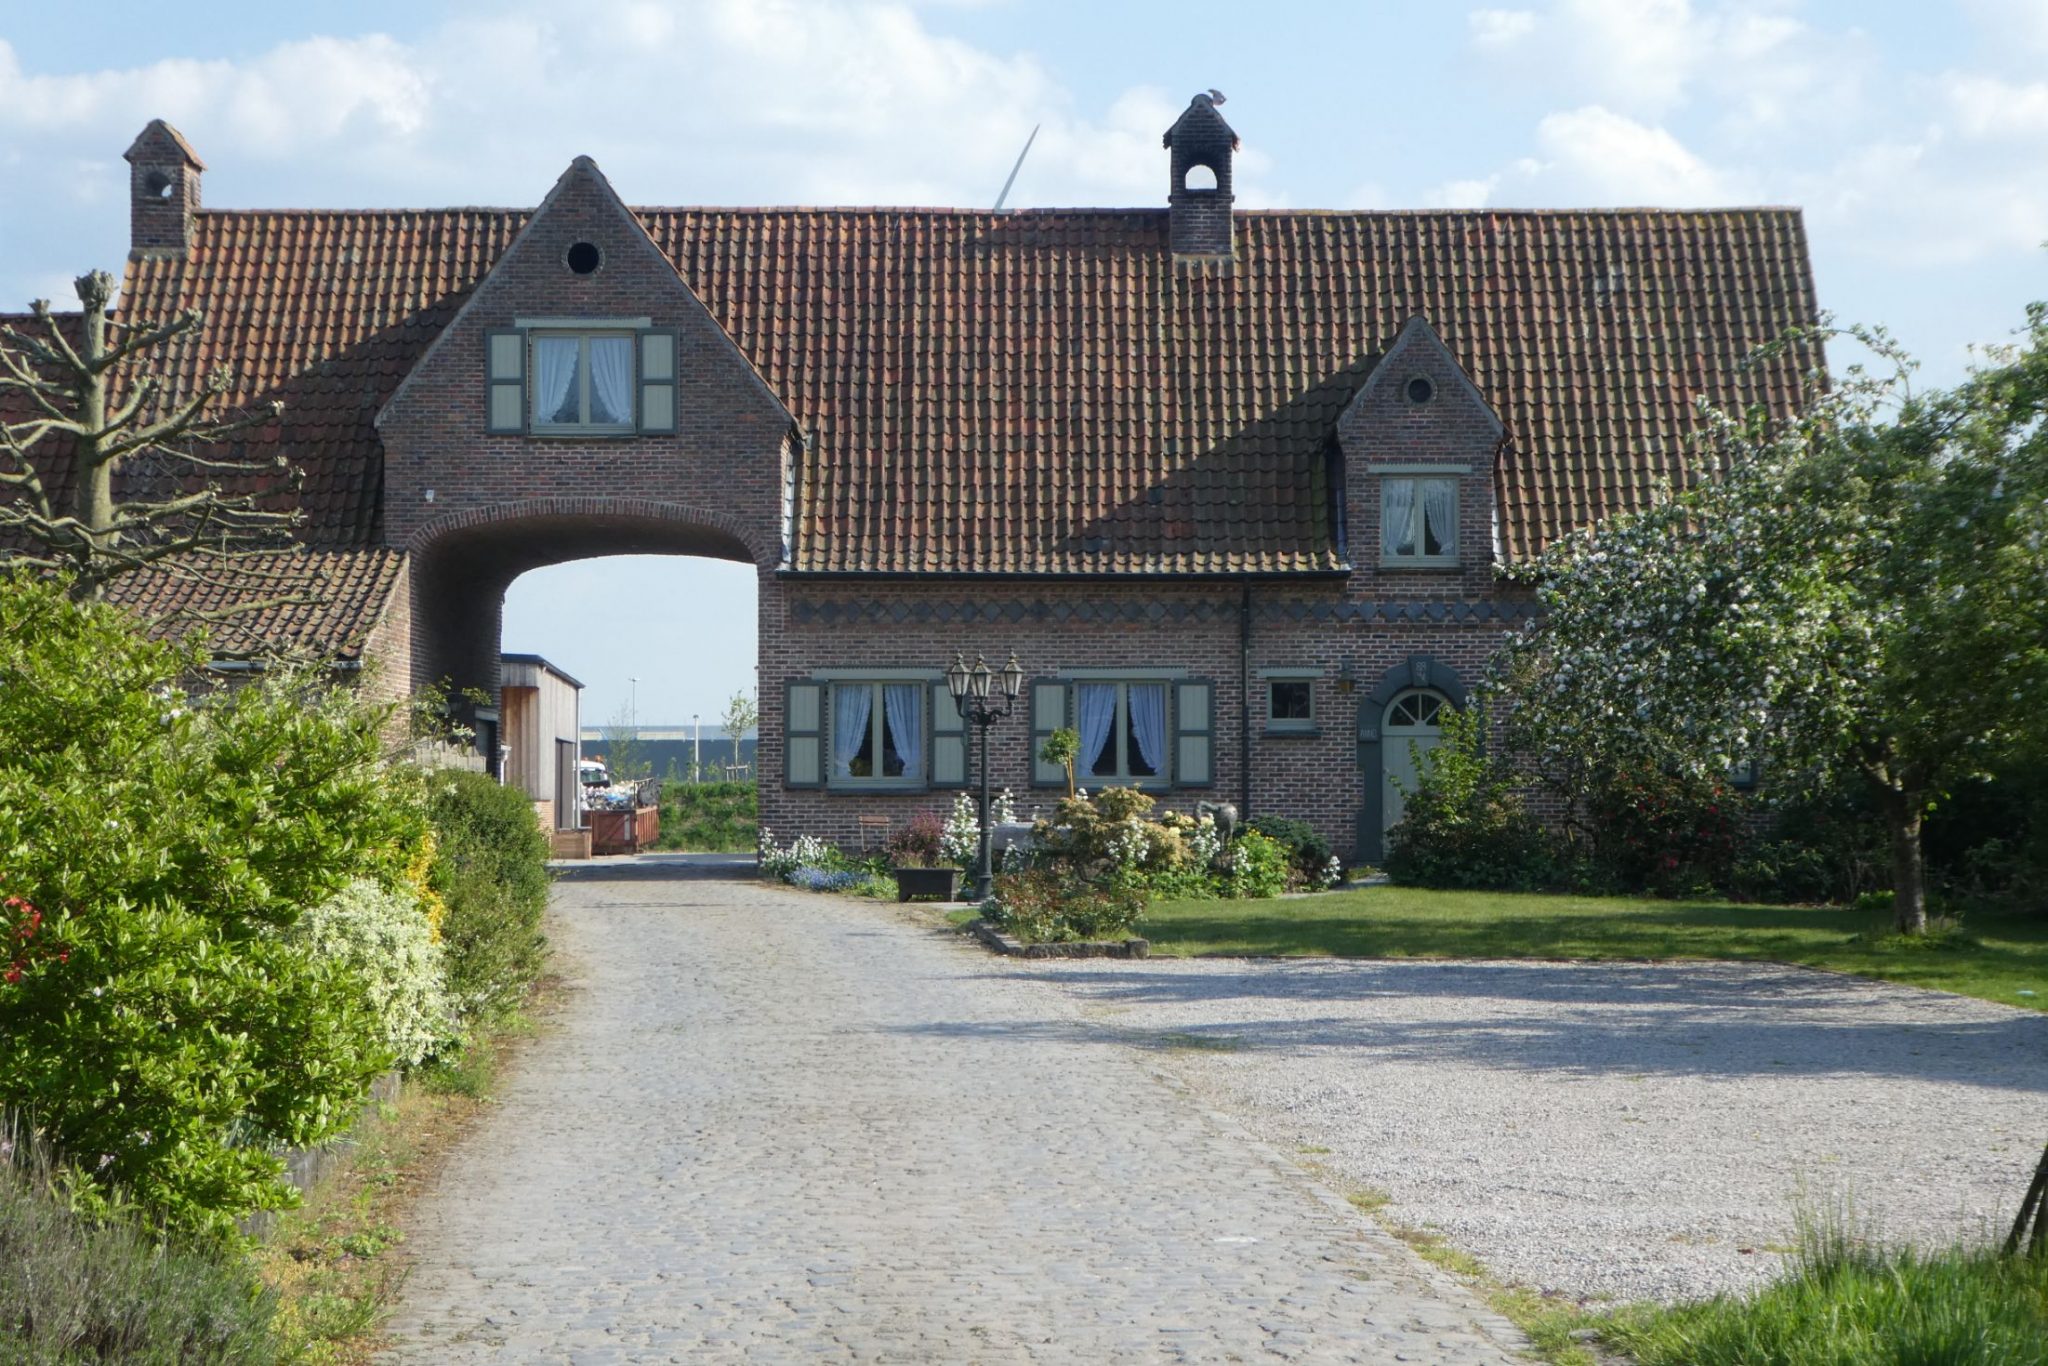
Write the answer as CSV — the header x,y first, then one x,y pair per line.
x,y
1449,558
877,721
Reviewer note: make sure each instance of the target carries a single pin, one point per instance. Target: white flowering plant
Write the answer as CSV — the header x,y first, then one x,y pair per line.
x,y
383,938
1861,593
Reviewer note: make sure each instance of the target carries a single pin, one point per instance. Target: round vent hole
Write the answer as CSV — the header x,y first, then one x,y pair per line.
x,y
1420,390
584,258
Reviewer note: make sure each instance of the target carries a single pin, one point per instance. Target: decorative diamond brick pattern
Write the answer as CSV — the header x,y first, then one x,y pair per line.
x,y
1047,391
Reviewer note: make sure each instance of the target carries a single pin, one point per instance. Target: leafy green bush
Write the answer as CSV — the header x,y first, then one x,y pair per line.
x,y
80,1289
491,869
1049,906
1465,825
1308,852
383,938
1662,833
1255,866
716,818
158,1026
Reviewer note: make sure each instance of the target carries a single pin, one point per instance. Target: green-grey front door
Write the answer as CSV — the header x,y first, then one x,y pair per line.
x,y
1411,729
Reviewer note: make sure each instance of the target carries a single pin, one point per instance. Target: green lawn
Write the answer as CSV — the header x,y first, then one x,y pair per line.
x,y
1997,957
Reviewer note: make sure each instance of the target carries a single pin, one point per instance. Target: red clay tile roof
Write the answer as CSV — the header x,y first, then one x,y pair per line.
x,y
323,602
1046,391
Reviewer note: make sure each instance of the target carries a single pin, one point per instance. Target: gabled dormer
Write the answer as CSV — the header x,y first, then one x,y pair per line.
x,y
1419,443
1199,198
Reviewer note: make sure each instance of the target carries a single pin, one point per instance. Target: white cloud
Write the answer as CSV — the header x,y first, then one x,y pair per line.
x,y
1500,28
1461,194
1616,160
1987,107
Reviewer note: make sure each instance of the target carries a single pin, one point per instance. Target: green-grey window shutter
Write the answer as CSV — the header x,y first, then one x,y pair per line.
x,y
949,739
1048,714
1194,737
504,380
803,734
660,354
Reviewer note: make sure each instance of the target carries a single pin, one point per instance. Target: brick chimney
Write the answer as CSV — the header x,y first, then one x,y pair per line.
x,y
163,191
1199,200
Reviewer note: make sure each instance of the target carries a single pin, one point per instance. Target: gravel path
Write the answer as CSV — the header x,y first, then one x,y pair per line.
x,y
1608,1130
772,1126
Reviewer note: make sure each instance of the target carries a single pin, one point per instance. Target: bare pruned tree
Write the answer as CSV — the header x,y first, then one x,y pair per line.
x,y
91,407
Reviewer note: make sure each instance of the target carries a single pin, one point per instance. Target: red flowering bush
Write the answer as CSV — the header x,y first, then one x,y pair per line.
x,y
20,924
1664,834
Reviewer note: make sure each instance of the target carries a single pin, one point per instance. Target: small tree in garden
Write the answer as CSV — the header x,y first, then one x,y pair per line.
x,y
91,408
1862,591
742,714
1062,747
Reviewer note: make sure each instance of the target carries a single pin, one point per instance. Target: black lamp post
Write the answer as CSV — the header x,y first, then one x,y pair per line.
x,y
971,690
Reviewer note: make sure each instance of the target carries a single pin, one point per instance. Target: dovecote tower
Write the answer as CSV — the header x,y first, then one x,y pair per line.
x,y
163,191
1199,199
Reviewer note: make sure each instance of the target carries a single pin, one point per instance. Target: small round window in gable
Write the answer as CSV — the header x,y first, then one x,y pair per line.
x,y
584,258
1420,390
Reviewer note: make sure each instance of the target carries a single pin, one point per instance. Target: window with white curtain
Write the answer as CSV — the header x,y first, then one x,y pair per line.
x,y
1418,521
878,732
1123,732
583,381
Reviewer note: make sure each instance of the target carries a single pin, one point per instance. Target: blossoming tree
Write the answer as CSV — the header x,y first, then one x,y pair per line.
x,y
1861,592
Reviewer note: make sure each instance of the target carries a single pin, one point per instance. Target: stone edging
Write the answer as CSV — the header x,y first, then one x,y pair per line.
x,y
1094,948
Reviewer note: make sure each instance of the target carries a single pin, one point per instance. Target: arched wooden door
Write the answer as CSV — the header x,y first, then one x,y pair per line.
x,y
1410,729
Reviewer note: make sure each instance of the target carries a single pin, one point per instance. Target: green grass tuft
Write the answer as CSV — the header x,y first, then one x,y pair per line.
x,y
1844,1306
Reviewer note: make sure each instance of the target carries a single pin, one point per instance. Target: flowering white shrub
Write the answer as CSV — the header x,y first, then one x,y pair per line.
x,y
1205,842
805,851
383,937
961,841
1128,846
1333,873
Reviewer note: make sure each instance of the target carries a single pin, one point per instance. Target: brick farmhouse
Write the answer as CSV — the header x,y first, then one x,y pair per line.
x,y
1237,488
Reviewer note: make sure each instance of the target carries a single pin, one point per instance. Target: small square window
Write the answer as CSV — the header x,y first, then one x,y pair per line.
x,y
1290,703
1418,521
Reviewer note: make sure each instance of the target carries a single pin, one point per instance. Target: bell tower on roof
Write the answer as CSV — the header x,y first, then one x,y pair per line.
x,y
163,191
1199,199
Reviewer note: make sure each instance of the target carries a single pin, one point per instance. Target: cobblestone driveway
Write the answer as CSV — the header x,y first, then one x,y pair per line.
x,y
773,1126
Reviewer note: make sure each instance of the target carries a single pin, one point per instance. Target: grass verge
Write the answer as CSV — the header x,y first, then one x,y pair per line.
x,y
334,1265
1995,957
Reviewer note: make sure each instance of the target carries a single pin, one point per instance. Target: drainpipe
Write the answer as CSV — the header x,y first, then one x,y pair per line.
x,y
1244,705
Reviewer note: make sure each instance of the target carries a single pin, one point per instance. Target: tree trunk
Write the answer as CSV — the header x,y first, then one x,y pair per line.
x,y
1902,812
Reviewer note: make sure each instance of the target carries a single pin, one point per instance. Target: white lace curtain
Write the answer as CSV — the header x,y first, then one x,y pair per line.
x,y
1397,516
1439,507
903,707
851,706
554,363
1148,725
1096,703
611,380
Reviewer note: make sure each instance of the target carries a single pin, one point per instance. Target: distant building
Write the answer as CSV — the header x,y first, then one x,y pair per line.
x,y
667,750
540,712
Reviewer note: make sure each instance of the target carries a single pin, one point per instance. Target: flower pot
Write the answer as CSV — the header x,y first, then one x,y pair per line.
x,y
943,883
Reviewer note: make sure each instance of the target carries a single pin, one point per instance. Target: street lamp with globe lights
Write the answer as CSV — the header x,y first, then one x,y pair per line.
x,y
971,689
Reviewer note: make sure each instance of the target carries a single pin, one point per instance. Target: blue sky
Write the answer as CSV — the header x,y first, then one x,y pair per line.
x,y
1914,135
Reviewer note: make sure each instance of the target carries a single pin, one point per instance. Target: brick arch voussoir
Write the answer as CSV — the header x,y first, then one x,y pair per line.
x,y
541,509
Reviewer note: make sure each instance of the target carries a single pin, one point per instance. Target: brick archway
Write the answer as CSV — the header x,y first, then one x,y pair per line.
x,y
462,563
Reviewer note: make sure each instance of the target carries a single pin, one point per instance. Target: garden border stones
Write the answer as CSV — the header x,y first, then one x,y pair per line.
x,y
1089,948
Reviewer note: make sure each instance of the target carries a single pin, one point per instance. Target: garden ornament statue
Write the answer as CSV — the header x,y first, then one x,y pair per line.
x,y
1225,816
971,689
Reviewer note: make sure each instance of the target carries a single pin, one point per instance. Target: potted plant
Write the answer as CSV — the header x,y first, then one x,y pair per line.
x,y
914,855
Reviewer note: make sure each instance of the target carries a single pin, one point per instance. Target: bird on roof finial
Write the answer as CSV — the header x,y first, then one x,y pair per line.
x,y
1215,95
